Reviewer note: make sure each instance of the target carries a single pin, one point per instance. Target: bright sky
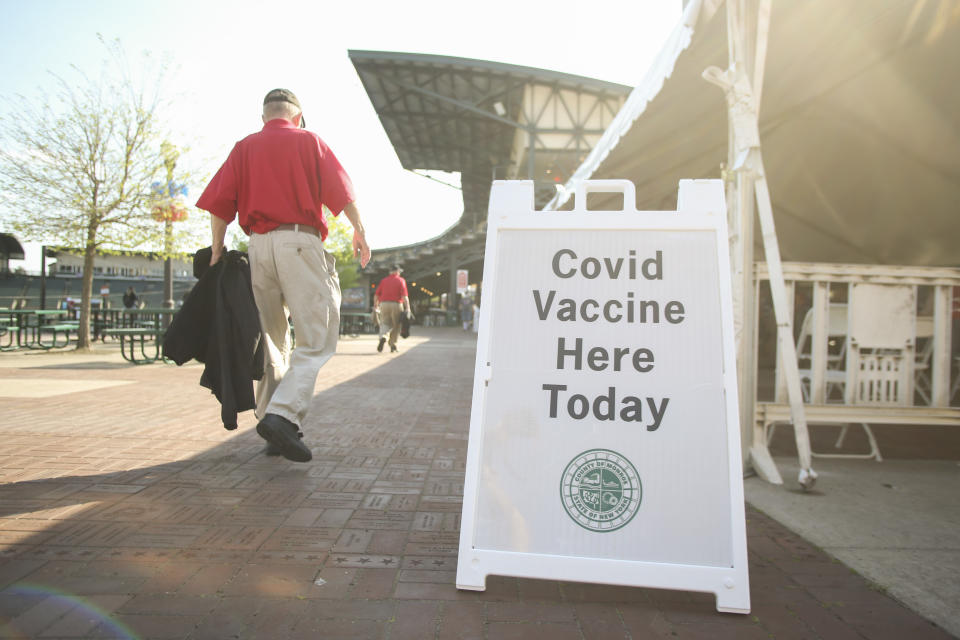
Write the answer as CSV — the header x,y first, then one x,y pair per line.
x,y
227,55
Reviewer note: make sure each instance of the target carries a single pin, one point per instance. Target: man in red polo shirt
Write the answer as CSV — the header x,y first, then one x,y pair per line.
x,y
392,301
279,180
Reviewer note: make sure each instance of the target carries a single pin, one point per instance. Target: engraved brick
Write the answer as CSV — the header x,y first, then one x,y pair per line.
x,y
23,537
361,561
149,625
127,511
31,623
289,556
452,504
380,520
94,534
62,491
299,538
436,577
165,535
373,584
207,580
377,501
352,541
273,580
233,537
415,620
115,488
334,517
429,563
302,517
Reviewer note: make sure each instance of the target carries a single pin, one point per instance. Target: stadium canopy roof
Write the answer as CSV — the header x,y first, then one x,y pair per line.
x,y
10,247
485,120
859,127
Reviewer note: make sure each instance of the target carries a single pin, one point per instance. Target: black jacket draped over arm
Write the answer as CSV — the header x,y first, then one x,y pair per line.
x,y
218,325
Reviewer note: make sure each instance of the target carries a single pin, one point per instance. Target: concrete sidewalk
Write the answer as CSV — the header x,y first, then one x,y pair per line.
x,y
895,522
127,511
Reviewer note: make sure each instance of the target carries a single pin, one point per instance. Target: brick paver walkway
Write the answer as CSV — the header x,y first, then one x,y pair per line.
x,y
127,511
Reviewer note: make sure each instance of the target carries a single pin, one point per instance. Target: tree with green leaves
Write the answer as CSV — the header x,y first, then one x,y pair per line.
x,y
339,242
76,168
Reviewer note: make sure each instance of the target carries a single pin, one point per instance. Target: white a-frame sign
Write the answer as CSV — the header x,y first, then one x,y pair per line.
x,y
604,435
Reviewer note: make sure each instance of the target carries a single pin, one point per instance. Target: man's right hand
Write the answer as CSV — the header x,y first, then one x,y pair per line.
x,y
361,249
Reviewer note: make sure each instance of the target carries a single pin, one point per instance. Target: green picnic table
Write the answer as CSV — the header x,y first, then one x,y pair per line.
x,y
25,328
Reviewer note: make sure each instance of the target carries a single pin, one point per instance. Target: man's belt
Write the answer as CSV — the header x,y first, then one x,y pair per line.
x,y
304,228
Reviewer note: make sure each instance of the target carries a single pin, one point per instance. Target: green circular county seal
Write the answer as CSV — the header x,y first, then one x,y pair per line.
x,y
601,490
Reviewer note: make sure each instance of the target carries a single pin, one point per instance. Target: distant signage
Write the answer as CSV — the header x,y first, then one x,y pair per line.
x,y
354,298
604,436
462,276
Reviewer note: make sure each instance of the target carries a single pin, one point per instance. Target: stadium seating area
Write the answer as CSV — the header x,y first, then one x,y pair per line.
x,y
23,291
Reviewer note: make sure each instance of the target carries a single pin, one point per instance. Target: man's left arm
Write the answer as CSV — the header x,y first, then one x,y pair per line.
x,y
218,228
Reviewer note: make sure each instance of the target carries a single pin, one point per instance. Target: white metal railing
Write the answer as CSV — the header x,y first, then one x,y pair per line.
x,y
921,321
873,346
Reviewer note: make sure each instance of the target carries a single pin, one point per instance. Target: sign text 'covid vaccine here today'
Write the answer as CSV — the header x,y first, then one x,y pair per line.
x,y
572,353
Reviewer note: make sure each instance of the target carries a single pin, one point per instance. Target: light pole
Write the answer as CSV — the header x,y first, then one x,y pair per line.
x,y
43,277
170,155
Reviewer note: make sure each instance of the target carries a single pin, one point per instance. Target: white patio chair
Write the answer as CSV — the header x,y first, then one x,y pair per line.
x,y
836,376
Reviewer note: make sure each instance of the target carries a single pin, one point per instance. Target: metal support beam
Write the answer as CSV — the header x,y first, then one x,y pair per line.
x,y
452,291
452,101
531,156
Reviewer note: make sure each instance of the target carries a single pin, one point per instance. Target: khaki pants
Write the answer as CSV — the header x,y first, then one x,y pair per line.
x,y
391,315
293,274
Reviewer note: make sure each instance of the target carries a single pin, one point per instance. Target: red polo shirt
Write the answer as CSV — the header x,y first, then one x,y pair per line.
x,y
393,288
281,174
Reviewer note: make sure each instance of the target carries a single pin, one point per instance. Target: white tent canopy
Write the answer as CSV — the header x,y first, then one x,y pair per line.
x,y
859,123
844,122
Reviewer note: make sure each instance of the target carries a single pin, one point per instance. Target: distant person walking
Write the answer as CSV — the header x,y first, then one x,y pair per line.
x,y
466,312
393,302
277,182
130,298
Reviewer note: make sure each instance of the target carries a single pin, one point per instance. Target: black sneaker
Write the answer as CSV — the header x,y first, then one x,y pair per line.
x,y
382,342
393,348
273,450
283,435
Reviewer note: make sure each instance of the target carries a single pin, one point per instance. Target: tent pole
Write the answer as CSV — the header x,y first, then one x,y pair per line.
x,y
781,306
742,85
740,223
745,305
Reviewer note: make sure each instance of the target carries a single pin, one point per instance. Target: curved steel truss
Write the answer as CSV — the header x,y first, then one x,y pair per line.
x,y
487,121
